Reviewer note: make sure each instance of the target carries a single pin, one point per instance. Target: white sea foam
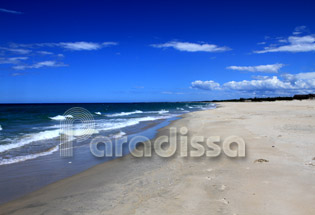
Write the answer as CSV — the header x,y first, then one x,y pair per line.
x,y
27,139
206,107
98,113
60,117
119,134
124,113
180,108
80,132
28,157
0,128
121,123
163,111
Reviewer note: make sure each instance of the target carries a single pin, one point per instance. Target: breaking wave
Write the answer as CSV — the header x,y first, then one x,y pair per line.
x,y
28,157
124,113
60,117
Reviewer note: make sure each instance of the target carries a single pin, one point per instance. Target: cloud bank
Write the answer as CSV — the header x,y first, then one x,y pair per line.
x,y
192,47
287,83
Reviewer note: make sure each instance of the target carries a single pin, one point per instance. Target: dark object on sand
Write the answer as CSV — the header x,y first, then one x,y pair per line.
x,y
261,160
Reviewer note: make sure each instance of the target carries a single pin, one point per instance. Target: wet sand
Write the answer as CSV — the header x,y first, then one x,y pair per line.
x,y
277,176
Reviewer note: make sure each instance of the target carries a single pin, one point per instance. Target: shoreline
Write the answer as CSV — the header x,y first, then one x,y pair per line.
x,y
276,176
43,169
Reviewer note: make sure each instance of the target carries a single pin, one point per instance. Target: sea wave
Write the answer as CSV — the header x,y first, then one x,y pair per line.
x,y
104,124
121,123
124,113
27,139
28,157
60,117
79,130
163,111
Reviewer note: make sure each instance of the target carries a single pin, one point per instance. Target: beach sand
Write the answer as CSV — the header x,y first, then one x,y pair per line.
x,y
277,175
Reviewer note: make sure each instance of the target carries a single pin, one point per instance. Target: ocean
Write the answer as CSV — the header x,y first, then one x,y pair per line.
x,y
30,138
33,130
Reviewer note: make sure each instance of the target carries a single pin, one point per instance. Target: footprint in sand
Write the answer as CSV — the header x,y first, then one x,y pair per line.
x,y
224,201
223,187
208,178
209,170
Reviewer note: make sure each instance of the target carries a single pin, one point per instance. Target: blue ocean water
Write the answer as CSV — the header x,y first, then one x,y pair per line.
x,y
29,131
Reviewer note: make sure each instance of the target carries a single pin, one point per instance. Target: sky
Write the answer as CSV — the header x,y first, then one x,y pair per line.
x,y
151,51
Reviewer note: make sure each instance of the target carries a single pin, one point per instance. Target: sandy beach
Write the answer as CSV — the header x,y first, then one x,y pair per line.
x,y
277,175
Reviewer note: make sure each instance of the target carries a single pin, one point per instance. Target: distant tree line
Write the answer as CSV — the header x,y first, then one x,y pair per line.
x,y
268,99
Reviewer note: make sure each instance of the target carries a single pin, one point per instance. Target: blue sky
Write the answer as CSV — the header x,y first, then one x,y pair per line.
x,y
136,51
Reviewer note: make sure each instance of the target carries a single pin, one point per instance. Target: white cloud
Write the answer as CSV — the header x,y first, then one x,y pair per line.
x,y
78,46
39,65
9,11
192,47
26,49
16,50
301,40
172,93
260,77
17,74
261,68
75,46
45,52
295,44
283,41
299,30
12,60
288,83
205,85
105,44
